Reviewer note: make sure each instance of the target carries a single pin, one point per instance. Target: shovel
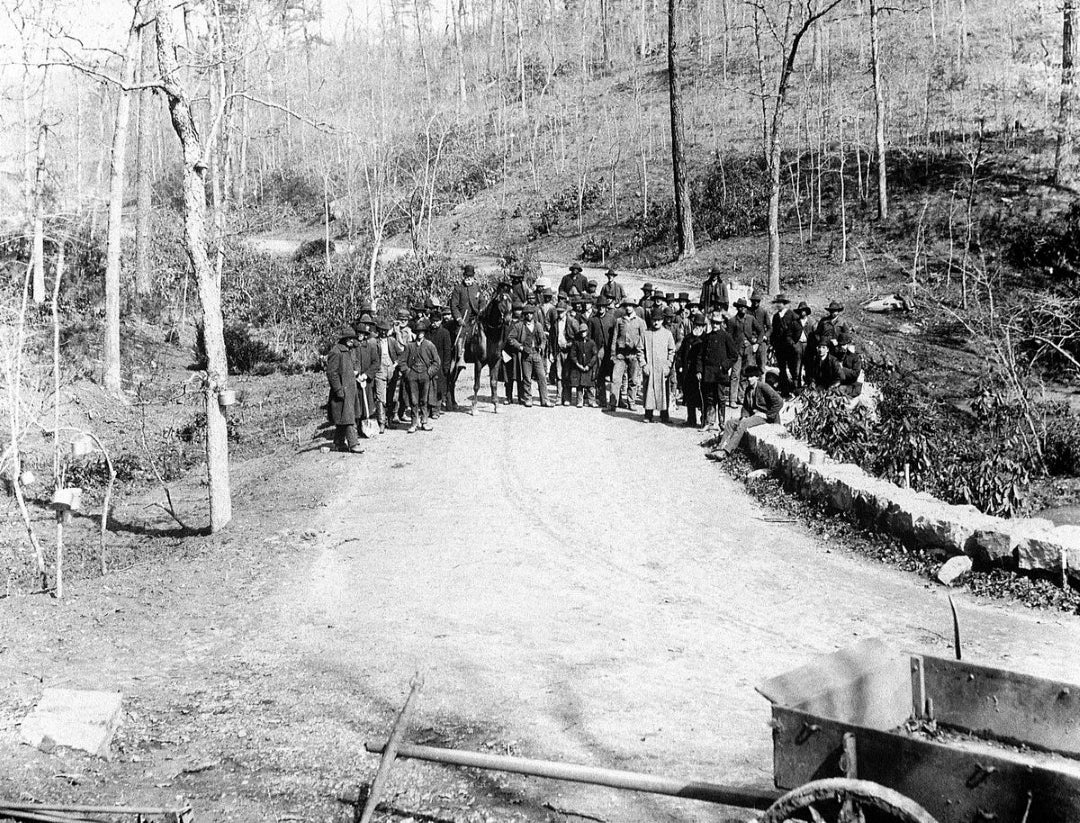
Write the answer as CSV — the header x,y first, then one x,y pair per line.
x,y
368,427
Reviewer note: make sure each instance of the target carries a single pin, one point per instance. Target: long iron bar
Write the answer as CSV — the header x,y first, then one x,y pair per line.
x,y
747,797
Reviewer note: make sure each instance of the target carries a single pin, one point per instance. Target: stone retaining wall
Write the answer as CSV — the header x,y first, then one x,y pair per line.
x,y
916,518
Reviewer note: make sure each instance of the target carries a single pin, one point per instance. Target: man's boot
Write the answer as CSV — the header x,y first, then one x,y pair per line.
x,y
415,421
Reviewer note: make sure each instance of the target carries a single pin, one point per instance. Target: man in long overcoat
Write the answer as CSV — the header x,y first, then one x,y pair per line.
x,y
714,291
659,354
525,342
601,330
686,361
342,407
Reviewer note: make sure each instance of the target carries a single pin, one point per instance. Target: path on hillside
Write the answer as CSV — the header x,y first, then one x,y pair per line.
x,y
575,585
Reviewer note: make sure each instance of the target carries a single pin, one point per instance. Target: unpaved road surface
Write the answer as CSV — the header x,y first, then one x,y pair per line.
x,y
574,585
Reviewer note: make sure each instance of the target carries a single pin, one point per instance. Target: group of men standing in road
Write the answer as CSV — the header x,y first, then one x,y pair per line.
x,y
594,346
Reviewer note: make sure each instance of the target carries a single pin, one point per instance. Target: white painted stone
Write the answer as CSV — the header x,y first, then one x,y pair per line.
x,y
757,474
954,569
77,719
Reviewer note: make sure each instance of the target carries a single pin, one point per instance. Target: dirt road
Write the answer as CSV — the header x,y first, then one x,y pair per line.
x,y
574,585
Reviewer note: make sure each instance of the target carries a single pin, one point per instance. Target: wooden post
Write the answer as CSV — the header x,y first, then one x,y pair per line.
x,y
390,751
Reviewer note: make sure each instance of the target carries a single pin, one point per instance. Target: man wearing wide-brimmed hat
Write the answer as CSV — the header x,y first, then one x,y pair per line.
x,y
574,279
420,362
343,406
519,292
658,357
602,331
525,342
747,334
686,363
389,352
714,291
831,326
785,331
612,290
716,357
627,344
561,333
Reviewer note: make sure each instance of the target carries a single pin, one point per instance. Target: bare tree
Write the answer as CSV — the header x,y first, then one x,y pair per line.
x,y
143,167
879,113
684,218
194,187
798,19
111,365
1065,157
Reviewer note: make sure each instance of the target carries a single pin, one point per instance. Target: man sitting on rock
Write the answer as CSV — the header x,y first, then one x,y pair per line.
x,y
761,404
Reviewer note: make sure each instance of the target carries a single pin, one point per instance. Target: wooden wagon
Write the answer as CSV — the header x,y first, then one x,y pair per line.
x,y
872,734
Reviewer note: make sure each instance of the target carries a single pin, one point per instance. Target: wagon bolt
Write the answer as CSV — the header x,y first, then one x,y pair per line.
x,y
807,731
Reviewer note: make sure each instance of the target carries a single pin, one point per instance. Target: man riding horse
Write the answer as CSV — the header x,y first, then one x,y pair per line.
x,y
484,345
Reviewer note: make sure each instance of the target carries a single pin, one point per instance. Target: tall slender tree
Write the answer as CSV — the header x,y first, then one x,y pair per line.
x,y
879,113
1065,156
684,218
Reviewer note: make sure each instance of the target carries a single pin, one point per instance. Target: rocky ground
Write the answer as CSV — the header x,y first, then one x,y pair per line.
x,y
574,585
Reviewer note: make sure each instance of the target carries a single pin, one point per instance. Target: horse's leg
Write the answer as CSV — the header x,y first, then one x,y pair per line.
x,y
493,374
477,366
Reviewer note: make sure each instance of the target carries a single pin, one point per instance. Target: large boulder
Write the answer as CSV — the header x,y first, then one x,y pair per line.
x,y
1037,543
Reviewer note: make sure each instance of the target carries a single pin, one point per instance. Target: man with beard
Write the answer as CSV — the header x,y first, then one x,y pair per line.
x,y
717,356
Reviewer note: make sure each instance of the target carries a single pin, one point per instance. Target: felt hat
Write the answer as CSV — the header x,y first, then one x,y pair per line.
x,y
684,297
548,292
383,324
366,306
602,302
647,287
404,314
423,324
669,296
575,267
591,284
346,333
844,338
755,296
360,328
582,330
611,273
752,371
517,306
629,301
698,319
741,303
803,307
562,305
836,306
781,298
656,314
527,311
716,310
669,313
366,318
542,283
468,270
517,275
715,271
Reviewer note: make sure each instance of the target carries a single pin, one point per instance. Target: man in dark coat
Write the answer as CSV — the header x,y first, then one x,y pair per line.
x,y
827,369
628,354
420,362
366,362
785,330
686,362
440,337
525,341
464,310
601,330
519,292
715,359
573,280
714,291
761,404
831,327
561,332
342,407
581,364
746,332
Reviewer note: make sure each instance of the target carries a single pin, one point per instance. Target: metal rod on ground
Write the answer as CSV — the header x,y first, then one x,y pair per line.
x,y
77,809
742,796
389,752
955,629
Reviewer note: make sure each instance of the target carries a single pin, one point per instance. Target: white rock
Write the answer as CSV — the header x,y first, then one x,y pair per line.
x,y
83,720
953,569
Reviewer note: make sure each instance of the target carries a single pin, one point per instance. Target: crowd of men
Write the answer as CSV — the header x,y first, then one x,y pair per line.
x,y
594,346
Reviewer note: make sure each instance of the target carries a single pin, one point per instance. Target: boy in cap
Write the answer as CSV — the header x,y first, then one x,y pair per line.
x,y
420,362
686,360
581,363
342,406
761,404
658,355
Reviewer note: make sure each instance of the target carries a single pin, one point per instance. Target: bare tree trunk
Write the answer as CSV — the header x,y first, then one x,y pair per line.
x,y
116,213
39,217
684,218
520,32
143,170
459,21
1064,157
879,114
194,165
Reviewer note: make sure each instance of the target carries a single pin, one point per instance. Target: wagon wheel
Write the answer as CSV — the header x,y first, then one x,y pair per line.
x,y
843,800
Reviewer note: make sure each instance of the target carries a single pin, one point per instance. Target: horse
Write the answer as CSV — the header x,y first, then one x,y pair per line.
x,y
484,347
